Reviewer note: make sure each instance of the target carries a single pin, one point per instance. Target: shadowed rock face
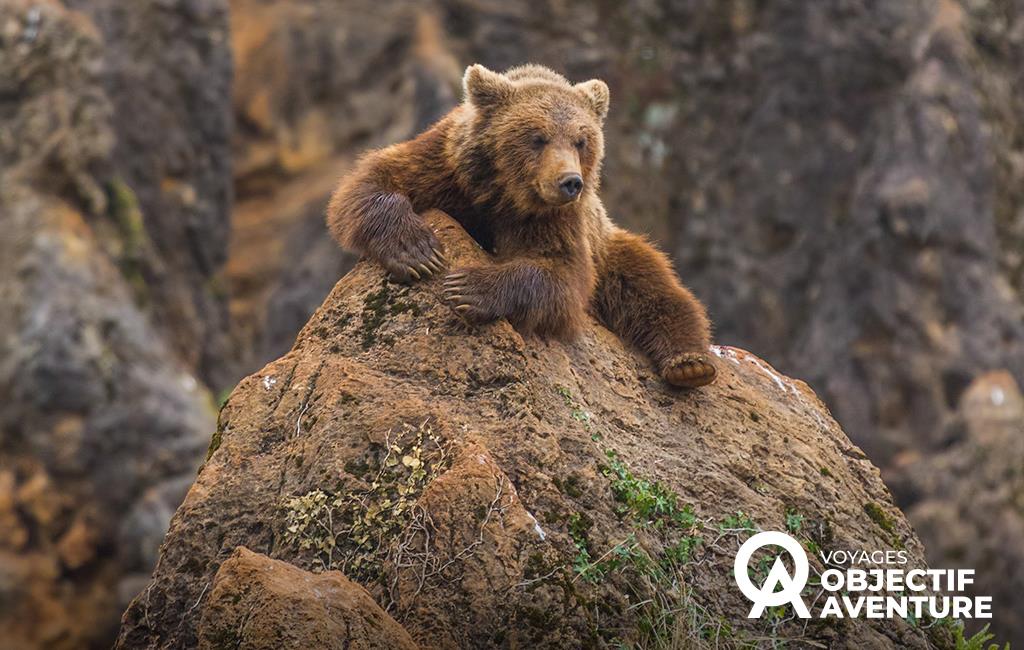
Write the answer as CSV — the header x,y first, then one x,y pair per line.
x,y
102,423
166,68
971,496
489,490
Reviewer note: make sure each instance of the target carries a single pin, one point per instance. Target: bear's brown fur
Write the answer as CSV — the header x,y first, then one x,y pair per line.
x,y
518,165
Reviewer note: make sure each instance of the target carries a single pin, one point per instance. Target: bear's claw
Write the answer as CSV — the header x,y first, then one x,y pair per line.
x,y
417,259
689,370
466,299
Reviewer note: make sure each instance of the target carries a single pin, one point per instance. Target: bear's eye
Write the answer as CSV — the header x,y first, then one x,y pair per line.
x,y
580,143
539,140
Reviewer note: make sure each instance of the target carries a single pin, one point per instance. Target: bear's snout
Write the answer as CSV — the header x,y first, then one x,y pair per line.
x,y
570,185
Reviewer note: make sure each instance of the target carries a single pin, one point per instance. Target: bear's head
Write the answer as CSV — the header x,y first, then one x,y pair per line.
x,y
534,138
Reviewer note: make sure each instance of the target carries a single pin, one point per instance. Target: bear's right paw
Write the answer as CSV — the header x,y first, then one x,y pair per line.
x,y
689,370
417,256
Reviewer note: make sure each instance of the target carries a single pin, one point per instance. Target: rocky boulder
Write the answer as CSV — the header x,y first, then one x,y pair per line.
x,y
272,604
493,491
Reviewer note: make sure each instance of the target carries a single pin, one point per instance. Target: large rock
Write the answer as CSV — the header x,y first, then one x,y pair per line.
x,y
495,491
102,424
256,602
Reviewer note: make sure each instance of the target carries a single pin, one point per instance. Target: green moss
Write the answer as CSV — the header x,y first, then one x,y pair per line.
x,y
215,441
404,307
357,467
223,395
123,210
127,216
377,307
878,516
480,512
825,471
374,313
571,486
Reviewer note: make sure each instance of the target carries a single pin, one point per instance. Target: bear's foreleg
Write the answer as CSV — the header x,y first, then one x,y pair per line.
x,y
368,217
536,296
639,297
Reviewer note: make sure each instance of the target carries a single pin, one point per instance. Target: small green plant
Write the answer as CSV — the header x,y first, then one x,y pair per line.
x,y
794,521
738,523
979,641
627,551
657,572
579,524
682,552
877,515
576,412
650,502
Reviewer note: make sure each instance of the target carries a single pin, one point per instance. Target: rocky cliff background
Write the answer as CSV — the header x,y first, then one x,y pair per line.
x,y
840,181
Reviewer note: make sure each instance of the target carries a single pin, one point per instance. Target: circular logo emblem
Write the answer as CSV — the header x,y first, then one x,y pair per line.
x,y
779,587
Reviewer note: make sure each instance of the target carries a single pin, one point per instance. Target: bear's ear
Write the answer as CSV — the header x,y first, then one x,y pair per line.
x,y
596,91
485,88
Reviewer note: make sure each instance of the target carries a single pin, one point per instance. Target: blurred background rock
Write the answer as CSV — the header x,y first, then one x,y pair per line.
x,y
841,181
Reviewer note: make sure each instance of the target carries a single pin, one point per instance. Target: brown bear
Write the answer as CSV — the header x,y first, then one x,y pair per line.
x,y
518,165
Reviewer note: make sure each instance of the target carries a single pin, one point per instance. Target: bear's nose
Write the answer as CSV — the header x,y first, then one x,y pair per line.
x,y
571,185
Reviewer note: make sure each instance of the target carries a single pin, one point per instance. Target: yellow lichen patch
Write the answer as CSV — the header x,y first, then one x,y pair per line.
x,y
354,530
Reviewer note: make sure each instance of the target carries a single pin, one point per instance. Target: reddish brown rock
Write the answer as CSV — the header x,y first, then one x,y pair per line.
x,y
258,603
487,490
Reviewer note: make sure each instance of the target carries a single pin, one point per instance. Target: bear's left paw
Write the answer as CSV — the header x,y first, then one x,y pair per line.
x,y
689,370
466,291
